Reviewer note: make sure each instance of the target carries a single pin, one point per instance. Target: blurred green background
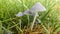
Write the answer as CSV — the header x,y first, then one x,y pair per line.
x,y
10,23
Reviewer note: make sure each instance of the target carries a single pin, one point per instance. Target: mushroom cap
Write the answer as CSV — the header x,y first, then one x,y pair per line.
x,y
26,12
19,14
38,7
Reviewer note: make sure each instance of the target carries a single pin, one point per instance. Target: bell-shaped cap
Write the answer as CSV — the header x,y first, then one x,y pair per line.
x,y
38,7
19,14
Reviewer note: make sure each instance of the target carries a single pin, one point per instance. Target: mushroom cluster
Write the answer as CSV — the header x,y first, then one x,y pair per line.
x,y
38,7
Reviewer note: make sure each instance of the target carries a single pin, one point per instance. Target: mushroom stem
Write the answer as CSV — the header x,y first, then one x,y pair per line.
x,y
20,23
32,24
28,19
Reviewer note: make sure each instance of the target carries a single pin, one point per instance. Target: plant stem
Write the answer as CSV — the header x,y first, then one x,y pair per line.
x,y
46,30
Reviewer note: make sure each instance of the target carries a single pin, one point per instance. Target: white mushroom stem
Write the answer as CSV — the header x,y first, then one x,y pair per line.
x,y
28,19
32,24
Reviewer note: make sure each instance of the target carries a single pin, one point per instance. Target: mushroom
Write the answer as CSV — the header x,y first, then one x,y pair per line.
x,y
38,7
19,15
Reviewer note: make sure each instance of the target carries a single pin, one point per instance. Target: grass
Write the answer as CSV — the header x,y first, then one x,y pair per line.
x,y
10,23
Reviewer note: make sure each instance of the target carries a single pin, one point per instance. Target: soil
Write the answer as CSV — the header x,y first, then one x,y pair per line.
x,y
37,30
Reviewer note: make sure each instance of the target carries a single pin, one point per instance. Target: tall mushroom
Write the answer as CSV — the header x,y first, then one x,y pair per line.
x,y
38,7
